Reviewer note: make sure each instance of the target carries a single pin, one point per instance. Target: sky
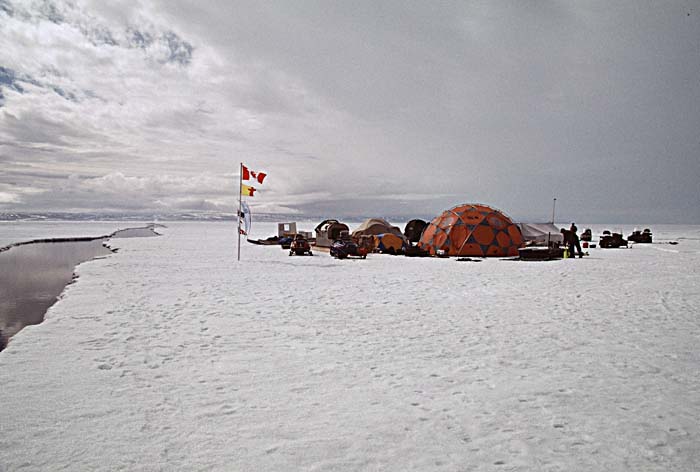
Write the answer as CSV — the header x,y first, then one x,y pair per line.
x,y
353,109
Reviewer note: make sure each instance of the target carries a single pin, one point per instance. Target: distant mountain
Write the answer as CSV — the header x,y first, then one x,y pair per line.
x,y
111,216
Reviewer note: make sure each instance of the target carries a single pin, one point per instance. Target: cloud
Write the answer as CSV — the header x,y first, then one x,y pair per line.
x,y
6,197
352,109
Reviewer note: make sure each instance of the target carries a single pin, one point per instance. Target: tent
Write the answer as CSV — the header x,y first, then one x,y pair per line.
x,y
414,229
375,226
328,231
472,230
541,233
388,243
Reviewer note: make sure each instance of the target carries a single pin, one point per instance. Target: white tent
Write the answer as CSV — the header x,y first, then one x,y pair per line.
x,y
541,233
375,226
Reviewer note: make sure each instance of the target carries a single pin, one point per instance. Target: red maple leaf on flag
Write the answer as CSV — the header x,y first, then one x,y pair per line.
x,y
248,174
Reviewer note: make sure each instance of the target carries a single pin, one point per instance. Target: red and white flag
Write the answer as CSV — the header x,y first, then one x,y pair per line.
x,y
249,174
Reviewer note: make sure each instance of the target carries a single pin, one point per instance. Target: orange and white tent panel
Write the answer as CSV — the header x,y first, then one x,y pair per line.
x,y
472,230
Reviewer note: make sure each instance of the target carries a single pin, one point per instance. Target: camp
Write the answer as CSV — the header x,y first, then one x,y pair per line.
x,y
472,230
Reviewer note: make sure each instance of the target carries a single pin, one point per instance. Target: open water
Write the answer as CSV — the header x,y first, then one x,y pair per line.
x,y
32,276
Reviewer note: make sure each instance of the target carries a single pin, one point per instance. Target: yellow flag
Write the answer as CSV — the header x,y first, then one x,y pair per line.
x,y
247,191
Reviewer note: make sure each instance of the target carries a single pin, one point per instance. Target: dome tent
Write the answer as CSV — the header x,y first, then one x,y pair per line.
x,y
389,243
472,230
375,226
414,229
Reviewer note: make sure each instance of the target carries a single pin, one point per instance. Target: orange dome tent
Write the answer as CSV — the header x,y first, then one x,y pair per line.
x,y
472,230
388,243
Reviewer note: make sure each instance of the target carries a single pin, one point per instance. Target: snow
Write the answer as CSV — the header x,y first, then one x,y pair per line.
x,y
170,355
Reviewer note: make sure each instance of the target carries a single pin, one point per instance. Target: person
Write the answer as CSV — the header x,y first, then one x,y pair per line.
x,y
574,241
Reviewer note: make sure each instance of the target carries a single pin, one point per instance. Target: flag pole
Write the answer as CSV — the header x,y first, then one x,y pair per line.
x,y
238,215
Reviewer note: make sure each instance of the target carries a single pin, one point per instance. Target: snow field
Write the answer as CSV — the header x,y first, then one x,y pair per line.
x,y
170,355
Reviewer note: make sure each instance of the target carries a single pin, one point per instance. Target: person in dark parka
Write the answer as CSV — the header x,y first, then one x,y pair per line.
x,y
574,241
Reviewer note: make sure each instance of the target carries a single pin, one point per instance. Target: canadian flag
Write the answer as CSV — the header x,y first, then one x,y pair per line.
x,y
249,174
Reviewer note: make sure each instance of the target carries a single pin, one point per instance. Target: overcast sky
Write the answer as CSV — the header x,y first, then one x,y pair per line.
x,y
370,108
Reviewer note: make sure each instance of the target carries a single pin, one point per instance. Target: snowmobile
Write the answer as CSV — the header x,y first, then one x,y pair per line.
x,y
343,248
640,236
612,240
300,247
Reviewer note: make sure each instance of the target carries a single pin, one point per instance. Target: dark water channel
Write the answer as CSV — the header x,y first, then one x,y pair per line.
x,y
33,275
